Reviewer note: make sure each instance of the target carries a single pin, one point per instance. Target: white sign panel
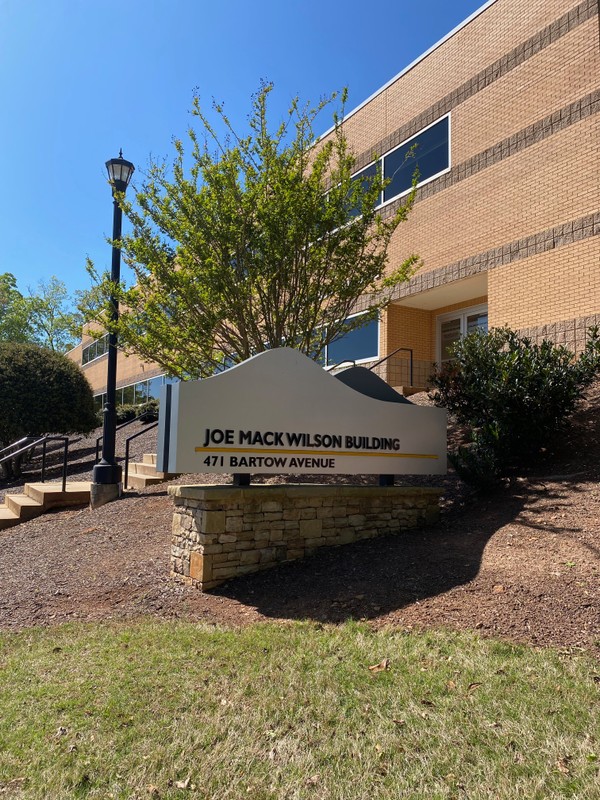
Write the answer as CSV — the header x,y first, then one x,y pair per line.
x,y
280,412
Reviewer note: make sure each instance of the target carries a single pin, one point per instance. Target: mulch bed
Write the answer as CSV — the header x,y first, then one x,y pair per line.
x,y
522,564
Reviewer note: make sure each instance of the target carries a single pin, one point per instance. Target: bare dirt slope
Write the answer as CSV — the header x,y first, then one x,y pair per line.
x,y
523,564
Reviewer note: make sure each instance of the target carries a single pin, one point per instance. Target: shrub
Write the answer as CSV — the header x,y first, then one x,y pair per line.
x,y
515,396
149,411
41,391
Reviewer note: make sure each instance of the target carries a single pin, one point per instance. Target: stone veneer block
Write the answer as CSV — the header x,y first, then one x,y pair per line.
x,y
220,532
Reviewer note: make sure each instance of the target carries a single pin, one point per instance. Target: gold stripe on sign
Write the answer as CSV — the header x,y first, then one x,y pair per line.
x,y
317,453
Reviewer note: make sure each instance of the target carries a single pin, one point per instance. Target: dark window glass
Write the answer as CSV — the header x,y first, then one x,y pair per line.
x,y
101,346
477,322
450,335
85,355
119,397
98,402
430,156
128,396
358,344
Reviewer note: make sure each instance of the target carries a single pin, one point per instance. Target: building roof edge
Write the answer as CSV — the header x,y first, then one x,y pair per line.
x,y
414,63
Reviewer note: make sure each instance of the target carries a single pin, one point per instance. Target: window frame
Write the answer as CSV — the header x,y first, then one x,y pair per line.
x,y
461,313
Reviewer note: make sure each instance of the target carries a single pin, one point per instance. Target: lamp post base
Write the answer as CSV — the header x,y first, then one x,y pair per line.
x,y
106,484
102,493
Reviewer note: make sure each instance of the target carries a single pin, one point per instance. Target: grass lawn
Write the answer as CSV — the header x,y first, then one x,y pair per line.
x,y
176,710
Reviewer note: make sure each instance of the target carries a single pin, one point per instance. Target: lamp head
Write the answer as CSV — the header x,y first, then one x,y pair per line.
x,y
119,172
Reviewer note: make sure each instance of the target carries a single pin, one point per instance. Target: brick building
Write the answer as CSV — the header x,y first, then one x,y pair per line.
x,y
504,115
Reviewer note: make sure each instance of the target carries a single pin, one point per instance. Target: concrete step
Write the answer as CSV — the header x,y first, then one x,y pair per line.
x,y
8,518
140,468
141,475
51,495
23,506
38,498
408,390
141,481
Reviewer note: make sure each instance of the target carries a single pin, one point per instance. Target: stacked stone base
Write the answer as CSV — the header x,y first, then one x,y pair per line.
x,y
220,532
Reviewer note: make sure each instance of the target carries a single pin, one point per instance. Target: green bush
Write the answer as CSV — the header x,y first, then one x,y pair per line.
x,y
149,410
41,391
513,395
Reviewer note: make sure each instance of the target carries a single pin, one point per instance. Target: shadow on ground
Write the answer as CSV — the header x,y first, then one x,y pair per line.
x,y
377,576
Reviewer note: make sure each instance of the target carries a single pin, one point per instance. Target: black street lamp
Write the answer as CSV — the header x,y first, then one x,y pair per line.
x,y
106,475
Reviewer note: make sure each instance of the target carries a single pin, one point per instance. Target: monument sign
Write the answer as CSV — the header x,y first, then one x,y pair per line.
x,y
280,412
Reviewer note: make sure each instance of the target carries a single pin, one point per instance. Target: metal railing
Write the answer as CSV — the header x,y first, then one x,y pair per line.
x,y
17,443
32,443
393,353
127,443
118,428
339,364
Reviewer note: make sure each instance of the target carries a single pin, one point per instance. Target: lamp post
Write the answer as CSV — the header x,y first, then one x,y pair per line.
x,y
106,475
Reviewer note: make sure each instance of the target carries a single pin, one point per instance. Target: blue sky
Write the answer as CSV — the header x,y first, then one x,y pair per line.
x,y
81,78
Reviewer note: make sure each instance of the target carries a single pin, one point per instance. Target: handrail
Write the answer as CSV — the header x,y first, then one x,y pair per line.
x,y
14,444
127,442
339,364
393,353
118,428
43,440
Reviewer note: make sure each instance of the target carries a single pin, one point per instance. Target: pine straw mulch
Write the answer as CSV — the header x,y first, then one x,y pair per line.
x,y
522,565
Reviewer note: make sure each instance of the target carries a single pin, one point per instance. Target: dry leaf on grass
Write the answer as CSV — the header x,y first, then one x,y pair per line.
x,y
382,666
562,765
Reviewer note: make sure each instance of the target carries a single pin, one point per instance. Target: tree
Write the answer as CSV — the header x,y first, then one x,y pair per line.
x,y
44,317
41,391
53,321
265,241
14,323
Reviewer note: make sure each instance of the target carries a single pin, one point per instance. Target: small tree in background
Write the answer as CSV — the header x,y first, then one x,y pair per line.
x,y
46,316
53,320
251,242
41,392
14,322
513,395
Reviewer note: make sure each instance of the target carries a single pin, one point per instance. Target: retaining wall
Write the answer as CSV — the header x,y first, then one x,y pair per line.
x,y
220,532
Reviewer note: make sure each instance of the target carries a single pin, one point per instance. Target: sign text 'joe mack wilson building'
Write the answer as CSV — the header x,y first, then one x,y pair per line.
x,y
504,113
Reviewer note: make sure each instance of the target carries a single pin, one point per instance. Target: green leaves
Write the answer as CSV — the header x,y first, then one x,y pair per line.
x,y
246,242
46,317
41,392
513,394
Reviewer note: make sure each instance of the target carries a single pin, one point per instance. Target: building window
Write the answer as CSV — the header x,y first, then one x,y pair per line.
x,y
428,151
136,393
360,344
452,327
94,350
